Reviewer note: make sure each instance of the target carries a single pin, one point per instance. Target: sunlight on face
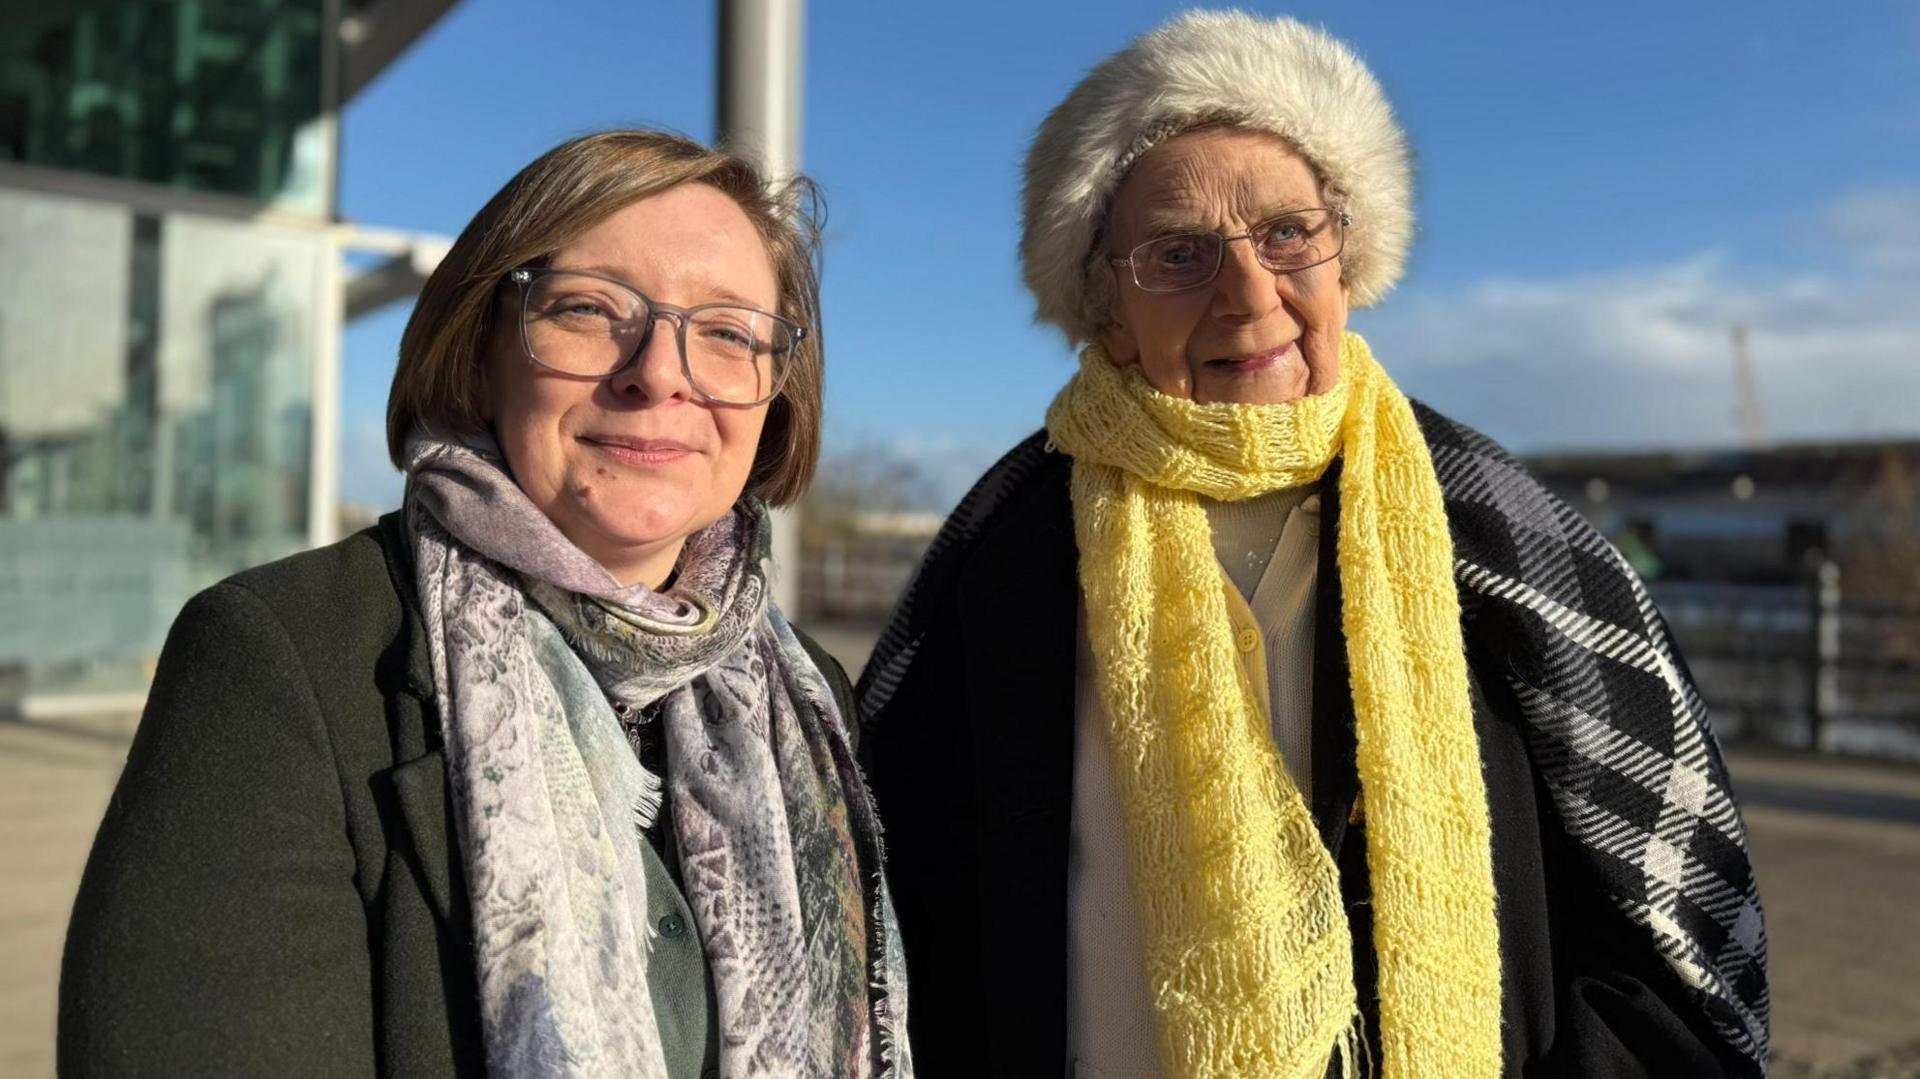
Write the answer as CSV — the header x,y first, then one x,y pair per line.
x,y
629,467
1250,336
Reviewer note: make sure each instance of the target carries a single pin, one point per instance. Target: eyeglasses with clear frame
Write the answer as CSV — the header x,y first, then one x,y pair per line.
x,y
1294,241
588,326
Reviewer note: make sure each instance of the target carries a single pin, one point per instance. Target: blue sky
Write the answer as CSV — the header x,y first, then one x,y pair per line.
x,y
1603,190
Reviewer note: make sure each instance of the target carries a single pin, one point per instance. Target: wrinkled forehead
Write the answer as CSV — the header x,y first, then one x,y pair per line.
x,y
1215,178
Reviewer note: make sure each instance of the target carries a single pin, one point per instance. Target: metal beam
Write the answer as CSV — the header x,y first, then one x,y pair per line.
x,y
410,260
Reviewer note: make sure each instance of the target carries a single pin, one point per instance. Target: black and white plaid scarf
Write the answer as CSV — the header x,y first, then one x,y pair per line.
x,y
1614,724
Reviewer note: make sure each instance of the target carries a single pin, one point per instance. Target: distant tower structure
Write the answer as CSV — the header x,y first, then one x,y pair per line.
x,y
1752,425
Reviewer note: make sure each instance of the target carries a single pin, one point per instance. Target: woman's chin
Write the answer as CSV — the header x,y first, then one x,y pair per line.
x,y
1273,385
630,541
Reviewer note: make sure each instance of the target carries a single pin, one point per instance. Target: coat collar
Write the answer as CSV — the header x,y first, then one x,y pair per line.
x,y
418,779
418,663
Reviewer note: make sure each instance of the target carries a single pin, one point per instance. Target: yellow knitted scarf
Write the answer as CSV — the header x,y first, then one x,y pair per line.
x,y
1248,951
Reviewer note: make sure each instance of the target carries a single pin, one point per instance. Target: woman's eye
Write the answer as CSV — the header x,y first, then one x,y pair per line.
x,y
1177,253
727,334
582,307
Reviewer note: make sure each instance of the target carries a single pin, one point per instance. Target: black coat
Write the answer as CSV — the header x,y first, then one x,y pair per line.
x,y
277,887
971,764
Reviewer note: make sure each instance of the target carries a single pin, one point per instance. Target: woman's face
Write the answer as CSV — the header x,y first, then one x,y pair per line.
x,y
1250,336
628,468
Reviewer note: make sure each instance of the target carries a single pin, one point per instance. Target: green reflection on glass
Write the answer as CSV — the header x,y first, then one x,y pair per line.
x,y
203,95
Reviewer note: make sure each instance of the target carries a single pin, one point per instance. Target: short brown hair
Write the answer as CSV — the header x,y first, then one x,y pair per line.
x,y
440,383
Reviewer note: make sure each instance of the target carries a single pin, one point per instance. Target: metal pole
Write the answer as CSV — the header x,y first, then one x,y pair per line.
x,y
323,468
329,298
760,82
758,114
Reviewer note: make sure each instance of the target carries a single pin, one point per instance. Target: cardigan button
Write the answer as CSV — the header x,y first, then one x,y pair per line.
x,y
672,925
1248,641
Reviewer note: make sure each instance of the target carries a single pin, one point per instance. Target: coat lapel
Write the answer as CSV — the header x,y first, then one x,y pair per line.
x,y
423,829
426,817
1017,623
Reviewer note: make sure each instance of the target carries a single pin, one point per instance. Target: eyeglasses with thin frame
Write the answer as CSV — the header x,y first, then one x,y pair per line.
x,y
1293,241
589,326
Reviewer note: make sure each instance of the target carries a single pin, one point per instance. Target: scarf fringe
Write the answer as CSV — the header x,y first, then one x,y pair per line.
x,y
647,803
1351,1049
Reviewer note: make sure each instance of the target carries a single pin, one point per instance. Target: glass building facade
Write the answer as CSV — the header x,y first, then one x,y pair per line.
x,y
200,95
168,307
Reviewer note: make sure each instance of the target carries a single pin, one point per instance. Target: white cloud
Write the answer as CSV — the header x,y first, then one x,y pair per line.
x,y
1881,227
1644,357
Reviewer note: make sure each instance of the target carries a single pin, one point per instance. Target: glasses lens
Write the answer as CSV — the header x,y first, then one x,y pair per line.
x,y
1297,240
737,354
1176,262
582,325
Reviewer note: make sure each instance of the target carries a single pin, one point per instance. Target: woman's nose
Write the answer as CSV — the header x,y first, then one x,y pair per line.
x,y
1244,288
655,372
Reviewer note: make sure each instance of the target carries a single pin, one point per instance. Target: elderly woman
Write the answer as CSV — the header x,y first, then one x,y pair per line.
x,y
531,779
1251,720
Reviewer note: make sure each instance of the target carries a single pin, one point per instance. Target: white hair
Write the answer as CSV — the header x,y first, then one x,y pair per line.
x,y
1213,67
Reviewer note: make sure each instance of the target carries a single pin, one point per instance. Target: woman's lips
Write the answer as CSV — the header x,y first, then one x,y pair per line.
x,y
1253,362
642,452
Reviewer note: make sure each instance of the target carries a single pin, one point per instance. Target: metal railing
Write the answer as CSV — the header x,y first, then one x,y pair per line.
x,y
1805,665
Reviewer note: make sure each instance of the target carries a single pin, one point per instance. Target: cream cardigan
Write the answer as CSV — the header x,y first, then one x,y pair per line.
x,y
1111,1027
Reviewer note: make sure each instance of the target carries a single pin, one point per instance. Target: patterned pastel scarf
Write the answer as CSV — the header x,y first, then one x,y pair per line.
x,y
531,640
1248,949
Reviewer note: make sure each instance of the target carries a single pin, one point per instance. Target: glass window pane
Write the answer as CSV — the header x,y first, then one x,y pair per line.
x,y
204,96
155,423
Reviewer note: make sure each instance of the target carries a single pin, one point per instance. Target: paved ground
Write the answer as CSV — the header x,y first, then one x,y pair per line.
x,y
55,779
1836,846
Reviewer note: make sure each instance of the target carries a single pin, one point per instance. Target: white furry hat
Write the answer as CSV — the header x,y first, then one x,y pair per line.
x,y
1214,67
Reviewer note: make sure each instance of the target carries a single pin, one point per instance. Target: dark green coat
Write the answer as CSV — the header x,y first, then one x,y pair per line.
x,y
276,888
